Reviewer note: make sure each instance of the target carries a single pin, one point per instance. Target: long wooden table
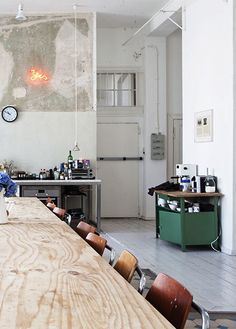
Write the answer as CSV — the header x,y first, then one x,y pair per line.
x,y
50,278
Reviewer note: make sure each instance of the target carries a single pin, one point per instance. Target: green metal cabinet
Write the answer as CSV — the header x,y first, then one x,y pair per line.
x,y
184,228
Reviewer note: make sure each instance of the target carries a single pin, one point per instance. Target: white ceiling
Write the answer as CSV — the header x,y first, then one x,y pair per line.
x,y
110,13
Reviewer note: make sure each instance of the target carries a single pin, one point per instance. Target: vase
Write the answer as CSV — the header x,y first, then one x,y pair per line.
x,y
3,210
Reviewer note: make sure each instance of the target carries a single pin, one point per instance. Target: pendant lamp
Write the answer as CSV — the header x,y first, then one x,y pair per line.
x,y
20,15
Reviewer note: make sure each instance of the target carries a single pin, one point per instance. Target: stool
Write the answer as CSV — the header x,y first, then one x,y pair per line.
x,y
83,195
79,196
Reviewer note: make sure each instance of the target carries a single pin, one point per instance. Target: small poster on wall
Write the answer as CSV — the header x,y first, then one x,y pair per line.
x,y
203,126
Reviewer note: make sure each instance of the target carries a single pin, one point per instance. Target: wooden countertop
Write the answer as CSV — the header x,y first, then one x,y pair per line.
x,y
179,194
50,278
58,182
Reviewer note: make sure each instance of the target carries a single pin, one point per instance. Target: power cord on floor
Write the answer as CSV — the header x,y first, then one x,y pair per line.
x,y
212,243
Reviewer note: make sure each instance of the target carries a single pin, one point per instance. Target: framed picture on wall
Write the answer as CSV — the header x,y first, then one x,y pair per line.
x,y
203,126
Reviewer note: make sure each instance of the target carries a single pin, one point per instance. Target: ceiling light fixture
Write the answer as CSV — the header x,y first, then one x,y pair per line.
x,y
76,147
20,15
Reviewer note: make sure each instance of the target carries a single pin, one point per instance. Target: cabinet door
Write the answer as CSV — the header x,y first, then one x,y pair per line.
x,y
200,228
170,226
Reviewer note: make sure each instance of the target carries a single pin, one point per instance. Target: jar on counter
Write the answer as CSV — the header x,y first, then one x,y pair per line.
x,y
185,183
210,184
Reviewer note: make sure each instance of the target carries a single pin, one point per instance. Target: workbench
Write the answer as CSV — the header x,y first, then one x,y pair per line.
x,y
185,228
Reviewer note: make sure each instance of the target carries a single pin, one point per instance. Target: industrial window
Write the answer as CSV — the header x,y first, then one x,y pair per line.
x,y
116,89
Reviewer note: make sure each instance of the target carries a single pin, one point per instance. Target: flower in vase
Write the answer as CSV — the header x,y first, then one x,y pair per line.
x,y
6,183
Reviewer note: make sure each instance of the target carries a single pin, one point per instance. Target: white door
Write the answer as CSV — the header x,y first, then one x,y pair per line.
x,y
120,188
174,144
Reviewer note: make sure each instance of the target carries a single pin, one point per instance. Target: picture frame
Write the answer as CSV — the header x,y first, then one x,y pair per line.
x,y
203,126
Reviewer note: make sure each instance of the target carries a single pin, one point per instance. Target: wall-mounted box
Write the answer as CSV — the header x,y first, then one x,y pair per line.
x,y
157,146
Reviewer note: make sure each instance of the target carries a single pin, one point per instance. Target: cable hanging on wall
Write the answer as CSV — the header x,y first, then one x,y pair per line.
x,y
76,147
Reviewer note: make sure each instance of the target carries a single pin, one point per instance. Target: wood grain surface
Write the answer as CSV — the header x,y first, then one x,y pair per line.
x,y
29,209
180,194
51,278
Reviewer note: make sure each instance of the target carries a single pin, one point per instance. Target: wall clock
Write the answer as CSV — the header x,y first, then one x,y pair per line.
x,y
9,113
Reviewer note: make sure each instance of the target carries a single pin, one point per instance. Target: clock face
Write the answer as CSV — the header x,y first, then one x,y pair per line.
x,y
9,113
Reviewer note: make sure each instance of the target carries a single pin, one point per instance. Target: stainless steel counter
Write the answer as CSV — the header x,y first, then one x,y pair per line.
x,y
93,183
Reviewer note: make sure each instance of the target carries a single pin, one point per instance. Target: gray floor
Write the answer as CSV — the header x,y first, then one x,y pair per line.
x,y
209,275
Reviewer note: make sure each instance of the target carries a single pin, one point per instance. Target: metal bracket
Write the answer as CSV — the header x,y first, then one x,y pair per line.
x,y
171,20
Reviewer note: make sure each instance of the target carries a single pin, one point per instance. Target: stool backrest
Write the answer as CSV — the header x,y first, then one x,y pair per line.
x,y
60,212
51,205
83,229
126,265
96,242
171,299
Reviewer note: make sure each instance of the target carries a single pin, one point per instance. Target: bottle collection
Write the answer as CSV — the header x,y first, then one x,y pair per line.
x,y
190,181
71,169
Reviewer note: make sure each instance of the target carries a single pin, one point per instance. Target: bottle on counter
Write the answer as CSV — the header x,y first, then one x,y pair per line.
x,y
56,173
210,184
193,184
44,174
66,168
41,174
185,183
69,173
51,174
70,160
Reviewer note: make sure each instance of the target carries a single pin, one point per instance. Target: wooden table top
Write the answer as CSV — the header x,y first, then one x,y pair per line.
x,y
51,278
180,194
29,210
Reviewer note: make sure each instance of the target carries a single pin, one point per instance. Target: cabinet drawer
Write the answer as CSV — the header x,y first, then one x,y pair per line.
x,y
33,191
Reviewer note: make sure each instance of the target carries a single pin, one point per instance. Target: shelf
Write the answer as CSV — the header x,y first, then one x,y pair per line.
x,y
179,194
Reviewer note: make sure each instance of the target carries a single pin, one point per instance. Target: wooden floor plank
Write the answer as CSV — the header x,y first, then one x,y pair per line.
x,y
209,275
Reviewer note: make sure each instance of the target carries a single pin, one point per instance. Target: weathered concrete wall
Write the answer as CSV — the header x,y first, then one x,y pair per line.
x,y
47,125
46,44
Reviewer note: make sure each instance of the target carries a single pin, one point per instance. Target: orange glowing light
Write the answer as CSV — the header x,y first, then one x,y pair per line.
x,y
38,75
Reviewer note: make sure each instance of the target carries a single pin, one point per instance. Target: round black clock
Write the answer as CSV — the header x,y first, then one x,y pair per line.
x,y
9,113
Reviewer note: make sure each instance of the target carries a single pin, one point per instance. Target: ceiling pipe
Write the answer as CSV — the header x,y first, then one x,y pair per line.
x,y
159,18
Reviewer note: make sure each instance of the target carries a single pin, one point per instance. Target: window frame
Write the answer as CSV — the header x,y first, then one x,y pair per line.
x,y
133,91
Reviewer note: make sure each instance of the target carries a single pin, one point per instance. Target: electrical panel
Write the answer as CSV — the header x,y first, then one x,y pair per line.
x,y
157,146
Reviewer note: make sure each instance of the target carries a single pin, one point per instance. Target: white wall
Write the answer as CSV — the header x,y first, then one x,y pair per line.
x,y
174,72
174,103
44,131
42,140
208,84
112,55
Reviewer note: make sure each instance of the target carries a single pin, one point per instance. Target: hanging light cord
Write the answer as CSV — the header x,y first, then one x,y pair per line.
x,y
76,148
